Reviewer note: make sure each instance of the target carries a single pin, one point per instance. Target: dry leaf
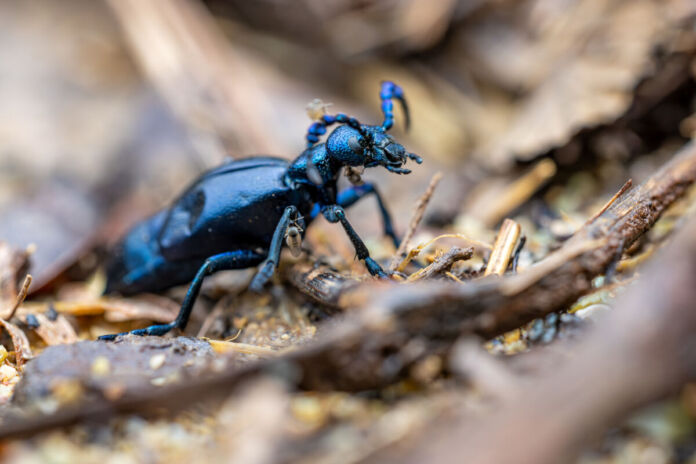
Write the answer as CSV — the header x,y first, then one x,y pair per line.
x,y
577,66
55,332
12,264
20,342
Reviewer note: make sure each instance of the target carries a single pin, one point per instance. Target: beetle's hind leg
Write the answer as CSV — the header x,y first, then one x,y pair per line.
x,y
231,260
271,263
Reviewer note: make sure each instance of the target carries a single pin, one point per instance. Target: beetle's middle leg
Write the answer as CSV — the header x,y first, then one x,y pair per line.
x,y
231,260
271,263
336,214
351,195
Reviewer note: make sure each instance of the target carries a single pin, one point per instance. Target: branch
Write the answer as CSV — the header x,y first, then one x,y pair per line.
x,y
640,352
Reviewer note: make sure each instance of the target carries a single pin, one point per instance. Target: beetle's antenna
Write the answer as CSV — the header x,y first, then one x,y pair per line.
x,y
319,127
389,92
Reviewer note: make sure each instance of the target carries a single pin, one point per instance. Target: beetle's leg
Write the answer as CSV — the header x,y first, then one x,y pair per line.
x,y
270,264
336,214
351,195
231,260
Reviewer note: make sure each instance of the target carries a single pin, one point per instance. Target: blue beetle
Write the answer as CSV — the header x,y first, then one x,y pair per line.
x,y
237,215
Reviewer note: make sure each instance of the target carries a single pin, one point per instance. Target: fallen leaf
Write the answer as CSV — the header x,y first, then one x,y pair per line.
x,y
20,342
56,332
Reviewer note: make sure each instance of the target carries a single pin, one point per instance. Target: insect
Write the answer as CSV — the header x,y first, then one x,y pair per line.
x,y
239,214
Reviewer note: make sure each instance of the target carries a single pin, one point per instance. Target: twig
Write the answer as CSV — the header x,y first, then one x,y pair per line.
x,y
503,248
413,252
622,190
415,220
518,192
442,263
21,296
635,356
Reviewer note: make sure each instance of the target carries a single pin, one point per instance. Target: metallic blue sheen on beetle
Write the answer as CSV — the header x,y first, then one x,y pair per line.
x,y
239,214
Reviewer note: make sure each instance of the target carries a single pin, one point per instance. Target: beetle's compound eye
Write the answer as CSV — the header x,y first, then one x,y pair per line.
x,y
355,146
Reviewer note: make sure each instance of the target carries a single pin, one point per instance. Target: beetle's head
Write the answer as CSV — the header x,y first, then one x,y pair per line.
x,y
369,147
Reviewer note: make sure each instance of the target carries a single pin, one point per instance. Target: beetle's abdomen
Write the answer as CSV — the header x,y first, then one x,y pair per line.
x,y
229,210
136,265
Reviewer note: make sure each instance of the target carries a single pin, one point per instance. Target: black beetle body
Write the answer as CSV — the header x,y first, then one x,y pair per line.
x,y
239,214
234,206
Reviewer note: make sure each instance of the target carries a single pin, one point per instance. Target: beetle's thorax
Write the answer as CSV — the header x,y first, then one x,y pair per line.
x,y
314,166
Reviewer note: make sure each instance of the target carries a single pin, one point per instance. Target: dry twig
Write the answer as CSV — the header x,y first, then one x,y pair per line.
x,y
415,220
641,352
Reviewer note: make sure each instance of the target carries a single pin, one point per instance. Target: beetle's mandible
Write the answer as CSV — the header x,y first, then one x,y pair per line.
x,y
239,215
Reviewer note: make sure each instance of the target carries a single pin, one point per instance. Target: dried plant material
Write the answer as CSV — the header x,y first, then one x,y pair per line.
x,y
223,347
575,64
518,283
12,264
442,263
69,308
413,252
622,190
644,333
115,309
491,207
503,248
143,307
22,349
55,332
20,297
321,283
416,218
209,84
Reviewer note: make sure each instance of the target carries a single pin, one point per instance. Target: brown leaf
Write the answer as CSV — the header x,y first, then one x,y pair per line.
x,y
13,263
149,307
55,332
577,66
20,342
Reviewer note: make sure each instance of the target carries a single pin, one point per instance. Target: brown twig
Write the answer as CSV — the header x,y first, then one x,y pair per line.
x,y
442,263
21,296
517,192
415,220
503,248
638,354
622,190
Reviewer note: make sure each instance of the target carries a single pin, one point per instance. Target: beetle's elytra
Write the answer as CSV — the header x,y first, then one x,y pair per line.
x,y
239,214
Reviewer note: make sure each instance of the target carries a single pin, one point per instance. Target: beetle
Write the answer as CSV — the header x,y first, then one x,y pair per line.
x,y
239,214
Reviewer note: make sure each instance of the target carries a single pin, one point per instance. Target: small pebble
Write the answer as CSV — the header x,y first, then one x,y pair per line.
x,y
157,361
593,311
101,366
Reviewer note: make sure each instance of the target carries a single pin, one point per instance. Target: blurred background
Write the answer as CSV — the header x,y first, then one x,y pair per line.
x,y
538,110
111,108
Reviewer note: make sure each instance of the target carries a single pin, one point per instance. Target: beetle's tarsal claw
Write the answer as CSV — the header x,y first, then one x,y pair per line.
x,y
156,330
375,269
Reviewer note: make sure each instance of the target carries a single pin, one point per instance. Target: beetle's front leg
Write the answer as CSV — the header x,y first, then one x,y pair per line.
x,y
336,214
269,266
351,195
